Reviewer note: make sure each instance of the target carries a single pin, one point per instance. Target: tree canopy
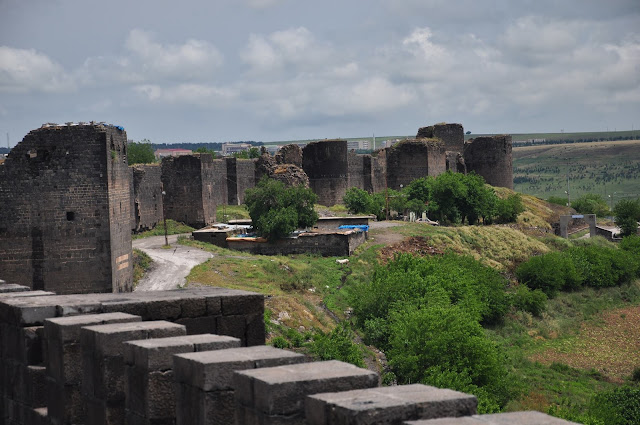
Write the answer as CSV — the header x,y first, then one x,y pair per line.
x,y
277,210
627,215
140,152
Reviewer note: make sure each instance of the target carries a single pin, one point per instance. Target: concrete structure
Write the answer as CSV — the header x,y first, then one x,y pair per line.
x,y
191,188
491,158
590,219
109,359
65,220
326,164
330,244
231,148
147,196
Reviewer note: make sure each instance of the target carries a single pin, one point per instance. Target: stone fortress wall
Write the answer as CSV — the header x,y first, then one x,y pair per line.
x,y
69,199
193,357
65,210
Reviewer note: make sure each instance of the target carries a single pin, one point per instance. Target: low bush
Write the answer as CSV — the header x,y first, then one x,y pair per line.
x,y
532,301
620,406
550,273
337,345
593,265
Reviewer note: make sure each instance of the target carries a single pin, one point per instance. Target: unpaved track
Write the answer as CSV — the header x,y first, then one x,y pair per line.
x,y
170,266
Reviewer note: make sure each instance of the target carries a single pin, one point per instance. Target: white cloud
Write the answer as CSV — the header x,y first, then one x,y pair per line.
x,y
263,4
193,59
292,47
191,94
30,71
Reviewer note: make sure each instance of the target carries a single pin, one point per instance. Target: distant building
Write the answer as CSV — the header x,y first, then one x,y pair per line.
x,y
162,153
359,144
231,148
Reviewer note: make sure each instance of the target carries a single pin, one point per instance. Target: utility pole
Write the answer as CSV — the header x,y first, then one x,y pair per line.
x,y
568,195
164,217
8,147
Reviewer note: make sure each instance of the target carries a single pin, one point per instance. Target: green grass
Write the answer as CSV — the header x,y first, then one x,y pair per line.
x,y
605,168
232,212
173,228
141,263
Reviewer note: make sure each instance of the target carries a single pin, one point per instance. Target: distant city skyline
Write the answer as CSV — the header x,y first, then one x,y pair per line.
x,y
277,70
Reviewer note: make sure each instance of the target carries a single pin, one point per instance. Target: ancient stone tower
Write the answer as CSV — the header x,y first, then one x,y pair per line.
x,y
326,164
412,159
65,210
491,158
192,186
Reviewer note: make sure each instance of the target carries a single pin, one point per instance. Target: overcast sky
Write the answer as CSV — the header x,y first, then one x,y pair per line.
x,y
265,70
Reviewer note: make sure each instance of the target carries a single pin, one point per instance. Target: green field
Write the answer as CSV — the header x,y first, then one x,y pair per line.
x,y
606,168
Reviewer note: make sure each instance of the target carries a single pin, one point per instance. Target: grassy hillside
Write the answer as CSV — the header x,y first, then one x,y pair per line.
x,y
583,343
605,168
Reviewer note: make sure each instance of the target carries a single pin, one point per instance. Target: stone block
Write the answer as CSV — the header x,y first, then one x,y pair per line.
x,y
65,403
213,370
255,331
242,304
103,363
64,349
235,326
157,353
280,391
11,287
512,418
387,405
199,325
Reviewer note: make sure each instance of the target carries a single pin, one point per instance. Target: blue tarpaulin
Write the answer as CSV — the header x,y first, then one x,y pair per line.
x,y
363,227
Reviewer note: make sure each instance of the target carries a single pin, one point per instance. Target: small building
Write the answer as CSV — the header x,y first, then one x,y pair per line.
x,y
231,148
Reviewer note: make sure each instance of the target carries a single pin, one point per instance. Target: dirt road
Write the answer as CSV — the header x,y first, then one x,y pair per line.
x,y
171,266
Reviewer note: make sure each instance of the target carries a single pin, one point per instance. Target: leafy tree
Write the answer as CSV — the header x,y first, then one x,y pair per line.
x,y
620,406
204,149
509,208
277,210
253,152
140,153
358,201
591,203
627,215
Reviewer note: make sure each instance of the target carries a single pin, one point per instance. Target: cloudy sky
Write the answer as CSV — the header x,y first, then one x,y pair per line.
x,y
218,70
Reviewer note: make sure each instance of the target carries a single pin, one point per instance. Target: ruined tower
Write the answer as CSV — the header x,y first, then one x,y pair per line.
x,y
65,210
491,158
412,159
326,164
192,183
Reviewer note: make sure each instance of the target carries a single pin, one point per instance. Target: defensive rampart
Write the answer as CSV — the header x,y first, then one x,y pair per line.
x,y
147,196
155,358
491,158
412,159
65,215
326,164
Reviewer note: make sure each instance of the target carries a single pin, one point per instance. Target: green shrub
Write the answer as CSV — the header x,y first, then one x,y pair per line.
x,y
337,345
509,208
451,278
620,406
530,301
444,345
591,203
627,216
280,342
631,244
549,272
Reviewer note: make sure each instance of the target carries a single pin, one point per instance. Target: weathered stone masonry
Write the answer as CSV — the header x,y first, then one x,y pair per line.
x,y
491,158
147,196
146,358
190,189
326,164
65,210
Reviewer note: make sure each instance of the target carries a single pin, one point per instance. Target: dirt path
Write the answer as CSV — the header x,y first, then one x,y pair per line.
x,y
170,266
382,232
